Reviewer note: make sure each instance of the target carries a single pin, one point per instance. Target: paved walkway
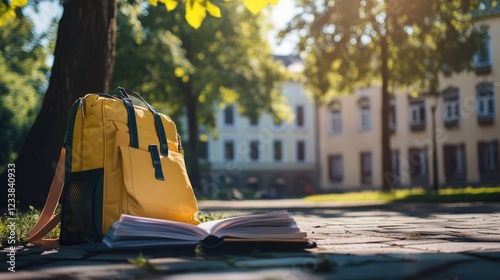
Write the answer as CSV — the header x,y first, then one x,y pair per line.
x,y
355,241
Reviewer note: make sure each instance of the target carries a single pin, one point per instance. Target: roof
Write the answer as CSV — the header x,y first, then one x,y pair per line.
x,y
287,60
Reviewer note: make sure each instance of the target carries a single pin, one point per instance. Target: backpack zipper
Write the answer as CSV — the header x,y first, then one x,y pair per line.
x,y
179,145
82,107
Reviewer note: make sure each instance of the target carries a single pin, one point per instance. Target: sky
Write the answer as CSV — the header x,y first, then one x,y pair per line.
x,y
46,11
280,15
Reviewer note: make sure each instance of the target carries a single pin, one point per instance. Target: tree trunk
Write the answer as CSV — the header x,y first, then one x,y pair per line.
x,y
193,133
83,63
317,162
388,176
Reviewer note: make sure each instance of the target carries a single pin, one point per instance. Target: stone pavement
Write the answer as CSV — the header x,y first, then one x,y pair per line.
x,y
355,241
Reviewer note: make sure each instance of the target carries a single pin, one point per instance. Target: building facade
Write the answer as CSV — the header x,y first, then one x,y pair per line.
x,y
265,154
467,118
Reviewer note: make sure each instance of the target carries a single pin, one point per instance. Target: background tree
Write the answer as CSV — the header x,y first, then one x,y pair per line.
x,y
189,72
400,43
83,63
10,10
23,77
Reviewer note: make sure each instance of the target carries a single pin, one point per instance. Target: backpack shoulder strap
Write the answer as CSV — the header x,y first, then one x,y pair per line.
x,y
47,220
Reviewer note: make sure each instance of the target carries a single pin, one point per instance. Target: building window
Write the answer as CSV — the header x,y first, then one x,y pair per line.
x,y
366,168
417,114
365,122
485,94
451,110
335,123
299,114
454,162
459,159
395,163
451,106
229,115
488,154
489,157
229,150
203,150
278,150
277,125
482,58
336,168
335,118
392,116
301,150
418,163
254,150
254,121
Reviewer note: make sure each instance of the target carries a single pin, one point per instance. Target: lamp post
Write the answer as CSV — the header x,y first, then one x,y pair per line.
x,y
434,149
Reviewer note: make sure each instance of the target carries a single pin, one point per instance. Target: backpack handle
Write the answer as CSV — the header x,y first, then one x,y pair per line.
x,y
160,130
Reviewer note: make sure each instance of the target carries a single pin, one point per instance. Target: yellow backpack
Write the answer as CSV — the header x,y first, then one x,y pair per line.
x,y
118,158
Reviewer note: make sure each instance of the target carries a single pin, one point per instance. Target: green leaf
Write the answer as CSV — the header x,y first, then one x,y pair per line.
x,y
143,263
195,13
18,3
170,4
213,10
255,6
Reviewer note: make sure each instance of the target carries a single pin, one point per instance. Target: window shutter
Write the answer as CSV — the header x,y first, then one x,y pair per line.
x,y
330,167
496,156
464,158
415,162
480,156
422,113
448,152
361,169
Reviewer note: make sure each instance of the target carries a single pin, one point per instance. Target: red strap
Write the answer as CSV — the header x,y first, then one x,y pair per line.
x,y
47,220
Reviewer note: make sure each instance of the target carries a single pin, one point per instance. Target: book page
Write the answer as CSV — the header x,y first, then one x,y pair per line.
x,y
140,226
278,224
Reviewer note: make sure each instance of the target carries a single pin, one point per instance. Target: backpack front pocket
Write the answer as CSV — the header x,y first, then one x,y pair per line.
x,y
171,198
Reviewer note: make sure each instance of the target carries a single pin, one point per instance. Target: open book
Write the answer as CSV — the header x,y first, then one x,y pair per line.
x,y
274,228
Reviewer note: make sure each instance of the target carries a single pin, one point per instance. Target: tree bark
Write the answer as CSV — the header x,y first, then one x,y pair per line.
x,y
388,177
83,63
317,162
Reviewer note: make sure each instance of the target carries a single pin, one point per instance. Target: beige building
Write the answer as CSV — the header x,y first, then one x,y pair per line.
x,y
261,155
467,119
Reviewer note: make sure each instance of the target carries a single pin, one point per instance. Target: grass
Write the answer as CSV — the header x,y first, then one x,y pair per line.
x,y
144,263
22,222
490,194
209,216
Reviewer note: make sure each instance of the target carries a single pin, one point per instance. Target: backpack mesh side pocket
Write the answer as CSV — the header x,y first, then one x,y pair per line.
x,y
82,208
